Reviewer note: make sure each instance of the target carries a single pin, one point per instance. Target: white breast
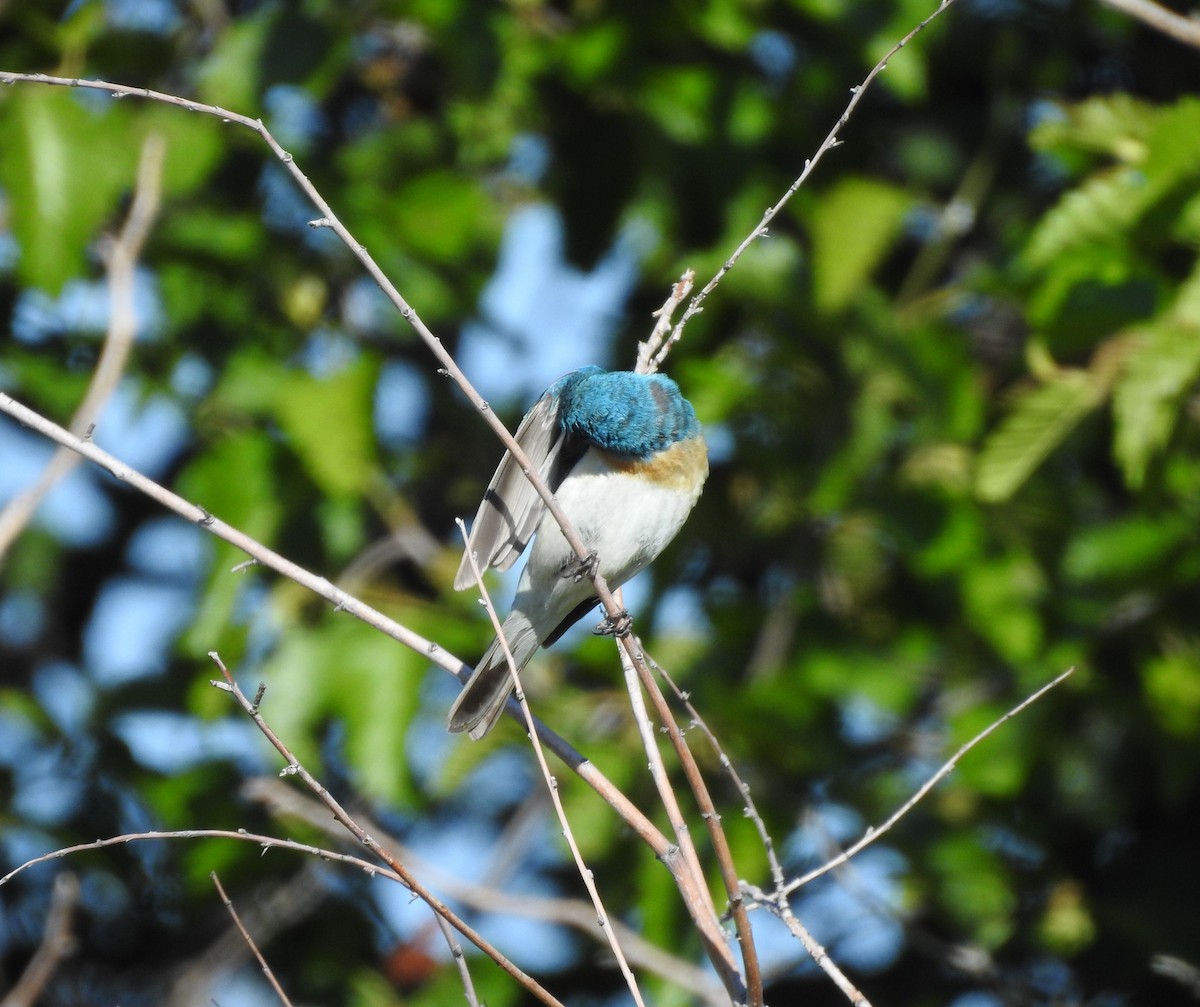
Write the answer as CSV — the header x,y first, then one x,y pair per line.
x,y
626,519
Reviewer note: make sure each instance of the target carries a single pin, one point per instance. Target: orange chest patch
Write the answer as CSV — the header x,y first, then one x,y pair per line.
x,y
683,466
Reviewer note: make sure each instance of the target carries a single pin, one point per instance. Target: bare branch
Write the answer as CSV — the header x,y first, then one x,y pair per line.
x,y
577,913
712,819
278,905
262,962
750,809
654,350
1177,26
121,259
818,953
241,835
459,959
58,943
406,877
946,769
831,140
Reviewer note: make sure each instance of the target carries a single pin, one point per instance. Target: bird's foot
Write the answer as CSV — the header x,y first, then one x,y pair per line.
x,y
617,625
581,569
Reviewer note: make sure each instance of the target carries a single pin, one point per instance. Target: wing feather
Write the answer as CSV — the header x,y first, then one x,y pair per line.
x,y
511,507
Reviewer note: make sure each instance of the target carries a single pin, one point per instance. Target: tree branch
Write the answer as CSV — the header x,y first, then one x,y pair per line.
x,y
121,261
1177,26
295,768
262,962
58,943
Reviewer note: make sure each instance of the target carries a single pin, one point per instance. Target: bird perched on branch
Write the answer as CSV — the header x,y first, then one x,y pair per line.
x,y
624,455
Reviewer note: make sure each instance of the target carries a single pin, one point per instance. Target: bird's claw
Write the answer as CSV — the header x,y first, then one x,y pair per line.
x,y
617,625
581,569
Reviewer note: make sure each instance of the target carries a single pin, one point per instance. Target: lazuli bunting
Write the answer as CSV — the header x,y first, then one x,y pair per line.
x,y
624,455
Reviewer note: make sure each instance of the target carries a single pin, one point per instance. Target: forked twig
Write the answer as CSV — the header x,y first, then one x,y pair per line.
x,y
295,768
780,906
712,819
577,913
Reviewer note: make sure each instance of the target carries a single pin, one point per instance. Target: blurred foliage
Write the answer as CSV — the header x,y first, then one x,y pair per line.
x,y
952,398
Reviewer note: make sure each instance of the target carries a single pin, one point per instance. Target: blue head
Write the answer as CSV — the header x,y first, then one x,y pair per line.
x,y
623,412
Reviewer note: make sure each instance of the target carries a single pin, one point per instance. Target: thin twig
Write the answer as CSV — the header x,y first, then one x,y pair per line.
x,y
662,781
654,350
819,955
459,959
295,768
58,943
585,872
946,769
750,809
484,896
831,140
121,261
278,905
262,962
241,835
712,819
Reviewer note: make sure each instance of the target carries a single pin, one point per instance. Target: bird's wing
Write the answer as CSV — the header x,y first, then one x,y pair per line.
x,y
511,507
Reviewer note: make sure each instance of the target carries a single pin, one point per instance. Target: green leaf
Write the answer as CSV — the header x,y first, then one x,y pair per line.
x,y
1000,598
230,76
195,145
1123,549
232,480
1172,687
1038,422
438,215
1115,124
974,888
680,100
63,167
1173,155
1100,210
346,669
328,421
853,226
1147,399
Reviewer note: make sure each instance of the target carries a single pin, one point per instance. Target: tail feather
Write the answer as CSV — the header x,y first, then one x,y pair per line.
x,y
486,693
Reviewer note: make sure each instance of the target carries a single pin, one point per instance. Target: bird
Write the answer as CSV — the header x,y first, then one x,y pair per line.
x,y
626,459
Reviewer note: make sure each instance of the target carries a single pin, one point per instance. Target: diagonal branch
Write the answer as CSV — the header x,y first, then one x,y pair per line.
x,y
295,768
262,962
342,601
946,769
285,802
58,942
696,305
1162,19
